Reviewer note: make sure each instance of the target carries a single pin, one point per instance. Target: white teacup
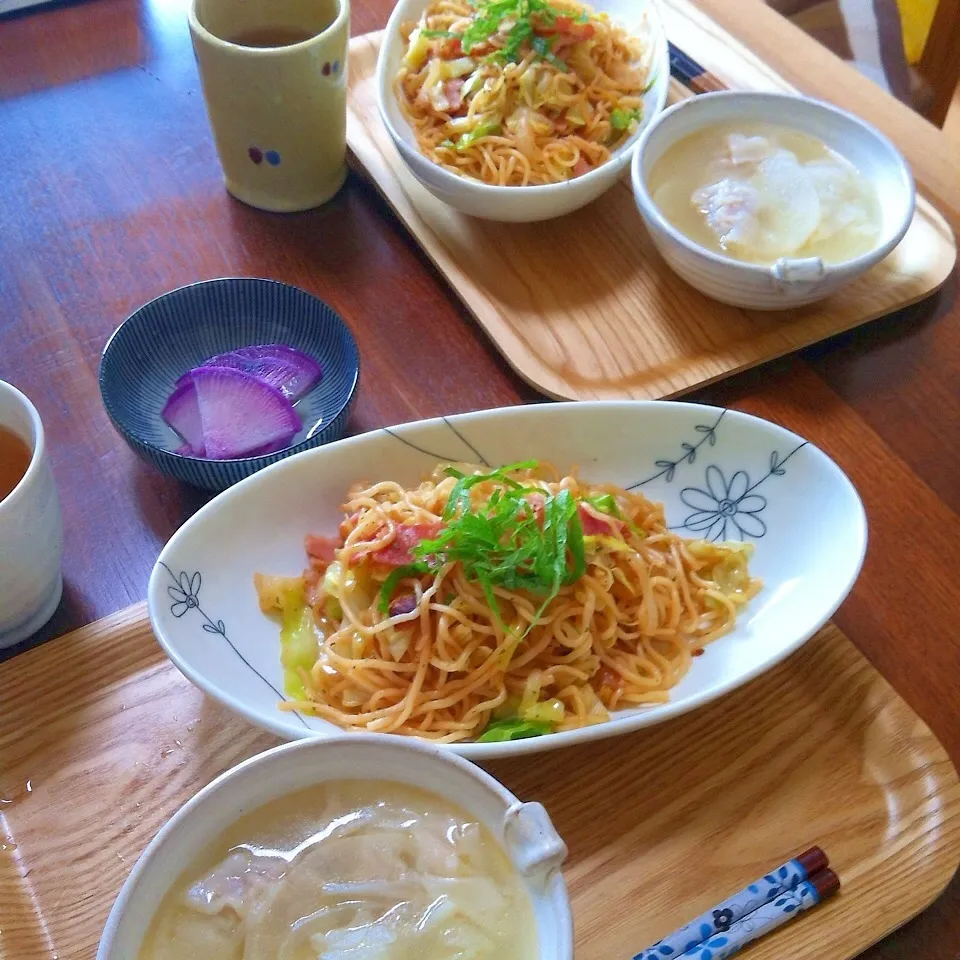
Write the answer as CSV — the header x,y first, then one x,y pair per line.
x,y
31,533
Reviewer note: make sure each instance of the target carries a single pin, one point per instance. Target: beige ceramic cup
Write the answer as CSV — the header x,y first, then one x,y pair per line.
x,y
30,530
278,113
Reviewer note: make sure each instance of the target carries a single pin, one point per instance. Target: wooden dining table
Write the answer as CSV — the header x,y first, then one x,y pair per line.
x,y
110,194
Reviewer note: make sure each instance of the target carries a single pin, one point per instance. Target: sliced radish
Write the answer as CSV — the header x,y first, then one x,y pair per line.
x,y
269,448
182,412
240,414
185,450
291,372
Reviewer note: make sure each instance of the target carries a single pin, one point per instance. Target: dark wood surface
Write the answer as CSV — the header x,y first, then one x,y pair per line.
x,y
110,194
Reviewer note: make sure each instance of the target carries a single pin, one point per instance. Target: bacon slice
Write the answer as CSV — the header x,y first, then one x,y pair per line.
x,y
453,91
321,549
400,552
594,523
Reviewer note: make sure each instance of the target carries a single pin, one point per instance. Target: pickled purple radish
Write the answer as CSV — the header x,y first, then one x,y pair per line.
x,y
185,450
240,413
269,448
291,372
182,414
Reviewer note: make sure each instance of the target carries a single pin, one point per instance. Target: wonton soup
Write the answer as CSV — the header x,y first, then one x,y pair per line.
x,y
348,870
758,192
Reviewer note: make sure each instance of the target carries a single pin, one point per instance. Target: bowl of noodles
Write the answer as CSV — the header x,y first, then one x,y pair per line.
x,y
520,110
512,580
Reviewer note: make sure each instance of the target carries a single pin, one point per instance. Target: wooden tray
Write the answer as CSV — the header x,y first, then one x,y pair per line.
x,y
101,740
583,307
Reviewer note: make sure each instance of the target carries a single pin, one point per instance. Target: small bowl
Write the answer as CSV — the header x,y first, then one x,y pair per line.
x,y
790,282
521,204
179,330
523,829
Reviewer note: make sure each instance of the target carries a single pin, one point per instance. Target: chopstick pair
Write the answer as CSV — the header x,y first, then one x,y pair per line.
x,y
757,909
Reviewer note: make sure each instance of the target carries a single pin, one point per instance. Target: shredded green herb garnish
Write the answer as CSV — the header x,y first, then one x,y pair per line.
x,y
396,575
605,503
503,541
438,34
490,14
541,47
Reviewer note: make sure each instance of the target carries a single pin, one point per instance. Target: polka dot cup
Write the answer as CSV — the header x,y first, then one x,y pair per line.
x,y
274,80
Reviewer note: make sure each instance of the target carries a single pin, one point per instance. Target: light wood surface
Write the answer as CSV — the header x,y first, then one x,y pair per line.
x,y
584,307
111,195
103,740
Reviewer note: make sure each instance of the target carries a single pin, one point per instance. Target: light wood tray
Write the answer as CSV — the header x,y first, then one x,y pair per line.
x,y
101,740
583,307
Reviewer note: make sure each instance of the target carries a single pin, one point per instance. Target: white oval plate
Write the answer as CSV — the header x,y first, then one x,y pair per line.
x,y
720,474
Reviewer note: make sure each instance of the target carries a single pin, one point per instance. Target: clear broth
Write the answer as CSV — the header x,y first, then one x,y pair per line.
x,y
692,163
366,860
15,457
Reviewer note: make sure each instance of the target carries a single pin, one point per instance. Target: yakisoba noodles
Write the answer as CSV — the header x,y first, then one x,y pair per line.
x,y
519,92
499,604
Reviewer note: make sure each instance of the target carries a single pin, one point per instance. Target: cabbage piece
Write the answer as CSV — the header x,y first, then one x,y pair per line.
x,y
459,67
546,711
299,646
525,124
275,593
579,113
417,51
483,130
473,83
438,73
500,731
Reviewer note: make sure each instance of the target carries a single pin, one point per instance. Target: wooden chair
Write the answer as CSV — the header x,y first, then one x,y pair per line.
x,y
940,64
868,34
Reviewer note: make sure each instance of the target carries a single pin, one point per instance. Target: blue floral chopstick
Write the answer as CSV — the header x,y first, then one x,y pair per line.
x,y
720,919
766,918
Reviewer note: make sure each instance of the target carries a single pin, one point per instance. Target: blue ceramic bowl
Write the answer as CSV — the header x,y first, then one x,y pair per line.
x,y
177,331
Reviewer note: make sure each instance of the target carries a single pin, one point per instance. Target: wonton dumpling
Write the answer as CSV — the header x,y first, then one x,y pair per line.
x,y
237,883
354,877
185,933
844,199
770,214
323,876
748,149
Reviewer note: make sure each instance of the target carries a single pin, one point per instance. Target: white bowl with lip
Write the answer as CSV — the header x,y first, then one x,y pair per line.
x,y
522,204
789,282
523,829
720,474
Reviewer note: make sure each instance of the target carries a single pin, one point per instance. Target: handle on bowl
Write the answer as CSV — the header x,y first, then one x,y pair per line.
x,y
791,276
531,839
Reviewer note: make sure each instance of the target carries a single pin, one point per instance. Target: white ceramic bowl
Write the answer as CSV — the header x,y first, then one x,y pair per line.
x,y
523,829
720,475
788,282
521,204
